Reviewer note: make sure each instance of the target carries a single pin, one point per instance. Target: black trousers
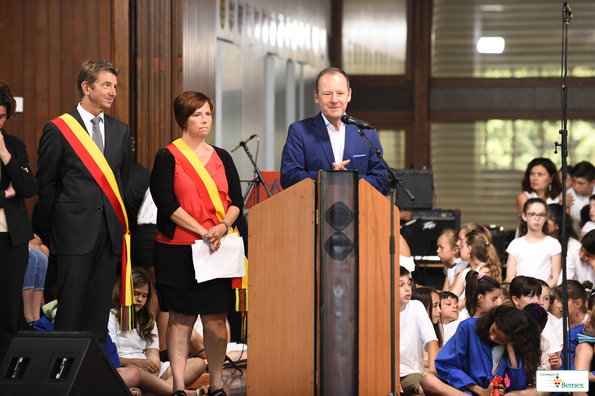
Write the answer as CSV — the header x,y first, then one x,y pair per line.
x,y
13,264
84,285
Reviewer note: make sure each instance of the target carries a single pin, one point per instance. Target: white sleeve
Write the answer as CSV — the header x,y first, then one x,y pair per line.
x,y
550,334
113,326
572,261
513,248
556,247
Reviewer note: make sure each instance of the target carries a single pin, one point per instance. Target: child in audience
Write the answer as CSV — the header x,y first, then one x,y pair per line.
x,y
505,292
448,251
34,282
416,335
483,294
535,253
554,228
580,263
580,345
482,256
583,179
140,347
546,302
537,312
449,315
525,290
467,228
589,225
431,300
577,299
504,341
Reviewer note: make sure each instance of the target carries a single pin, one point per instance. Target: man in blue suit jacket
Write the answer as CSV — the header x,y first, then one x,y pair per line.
x,y
325,143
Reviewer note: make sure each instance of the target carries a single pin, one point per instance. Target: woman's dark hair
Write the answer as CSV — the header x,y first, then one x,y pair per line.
x,y
6,99
144,318
576,291
476,287
424,294
556,185
555,213
522,331
524,286
537,312
523,223
187,103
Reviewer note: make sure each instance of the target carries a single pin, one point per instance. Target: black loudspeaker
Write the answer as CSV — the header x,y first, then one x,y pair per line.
x,y
421,184
424,229
59,363
498,241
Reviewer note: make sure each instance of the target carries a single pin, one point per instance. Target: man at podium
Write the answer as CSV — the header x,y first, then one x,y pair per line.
x,y
326,143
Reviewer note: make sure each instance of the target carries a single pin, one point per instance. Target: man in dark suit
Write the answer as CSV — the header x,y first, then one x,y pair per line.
x,y
325,143
86,233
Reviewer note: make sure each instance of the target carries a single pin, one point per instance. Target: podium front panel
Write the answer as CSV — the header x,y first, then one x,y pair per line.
x,y
338,283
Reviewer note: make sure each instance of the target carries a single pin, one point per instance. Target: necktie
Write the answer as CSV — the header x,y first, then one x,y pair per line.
x,y
96,135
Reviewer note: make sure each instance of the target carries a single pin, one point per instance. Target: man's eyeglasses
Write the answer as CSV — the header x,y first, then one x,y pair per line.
x,y
534,216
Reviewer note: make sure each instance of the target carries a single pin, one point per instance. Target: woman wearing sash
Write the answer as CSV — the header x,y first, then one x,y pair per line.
x,y
16,184
195,200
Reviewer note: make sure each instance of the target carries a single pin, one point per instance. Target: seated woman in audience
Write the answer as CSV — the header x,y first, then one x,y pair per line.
x,y
140,347
483,294
503,341
482,256
448,251
577,301
535,253
525,290
540,181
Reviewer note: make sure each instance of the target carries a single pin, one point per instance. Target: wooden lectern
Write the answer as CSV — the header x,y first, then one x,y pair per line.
x,y
284,318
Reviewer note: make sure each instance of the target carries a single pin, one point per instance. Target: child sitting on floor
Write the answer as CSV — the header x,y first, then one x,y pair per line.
x,y
449,315
417,335
448,251
140,347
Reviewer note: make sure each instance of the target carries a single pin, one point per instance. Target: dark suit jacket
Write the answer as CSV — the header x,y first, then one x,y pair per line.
x,y
308,149
17,171
69,198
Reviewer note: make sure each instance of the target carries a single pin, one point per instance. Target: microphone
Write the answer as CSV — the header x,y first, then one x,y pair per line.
x,y
243,142
349,120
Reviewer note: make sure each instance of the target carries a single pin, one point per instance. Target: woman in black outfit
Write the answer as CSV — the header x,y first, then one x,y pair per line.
x,y
16,183
189,209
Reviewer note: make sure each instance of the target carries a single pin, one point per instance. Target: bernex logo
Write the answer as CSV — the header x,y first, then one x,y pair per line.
x,y
562,380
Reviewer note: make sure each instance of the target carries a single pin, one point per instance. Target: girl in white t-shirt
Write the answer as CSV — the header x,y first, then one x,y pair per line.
x,y
448,251
535,253
140,347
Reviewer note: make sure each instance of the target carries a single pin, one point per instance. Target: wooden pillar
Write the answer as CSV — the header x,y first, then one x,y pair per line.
x,y
418,139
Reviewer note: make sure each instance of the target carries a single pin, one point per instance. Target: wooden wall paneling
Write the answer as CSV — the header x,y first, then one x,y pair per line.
x,y
336,39
200,47
120,48
418,147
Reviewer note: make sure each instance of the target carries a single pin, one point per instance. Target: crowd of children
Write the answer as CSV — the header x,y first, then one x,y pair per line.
x,y
457,340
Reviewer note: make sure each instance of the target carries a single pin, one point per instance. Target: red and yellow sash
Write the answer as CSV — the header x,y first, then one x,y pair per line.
x,y
97,165
208,192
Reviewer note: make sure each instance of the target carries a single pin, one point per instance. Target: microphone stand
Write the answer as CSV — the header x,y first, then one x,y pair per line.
x,y
566,16
393,180
258,179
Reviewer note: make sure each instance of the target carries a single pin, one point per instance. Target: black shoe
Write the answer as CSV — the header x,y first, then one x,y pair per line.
x,y
218,392
179,393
